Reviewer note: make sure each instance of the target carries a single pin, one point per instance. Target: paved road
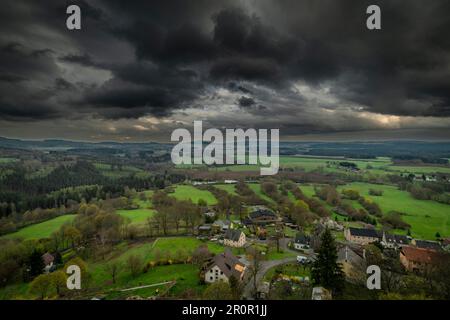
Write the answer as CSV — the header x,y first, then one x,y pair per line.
x,y
266,265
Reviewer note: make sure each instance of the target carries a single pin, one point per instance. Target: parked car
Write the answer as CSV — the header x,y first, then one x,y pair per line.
x,y
302,259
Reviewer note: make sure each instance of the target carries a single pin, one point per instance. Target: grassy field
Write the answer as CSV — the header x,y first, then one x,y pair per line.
x,y
426,217
41,230
230,188
256,187
137,216
144,203
308,190
419,169
309,163
168,247
7,160
185,192
378,166
186,275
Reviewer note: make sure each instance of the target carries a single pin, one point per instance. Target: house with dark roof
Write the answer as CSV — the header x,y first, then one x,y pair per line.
x,y
262,215
361,236
302,241
204,229
223,266
425,244
419,259
234,238
393,241
222,225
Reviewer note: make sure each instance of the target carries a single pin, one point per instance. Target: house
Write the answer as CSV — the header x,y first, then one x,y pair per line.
x,y
234,238
204,229
425,244
48,260
210,214
320,293
351,254
361,236
393,241
223,266
302,241
418,259
263,215
222,225
352,260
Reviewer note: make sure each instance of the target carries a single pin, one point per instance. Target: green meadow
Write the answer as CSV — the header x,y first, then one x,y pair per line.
x,y
308,190
137,216
256,187
380,165
186,275
425,216
7,160
230,188
41,230
167,247
419,169
187,192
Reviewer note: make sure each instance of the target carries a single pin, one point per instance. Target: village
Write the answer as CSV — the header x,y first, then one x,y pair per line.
x,y
264,228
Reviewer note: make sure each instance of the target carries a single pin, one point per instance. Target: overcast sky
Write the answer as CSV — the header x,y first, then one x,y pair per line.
x,y
139,69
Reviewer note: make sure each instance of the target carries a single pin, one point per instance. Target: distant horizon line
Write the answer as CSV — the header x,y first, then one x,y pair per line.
x,y
432,140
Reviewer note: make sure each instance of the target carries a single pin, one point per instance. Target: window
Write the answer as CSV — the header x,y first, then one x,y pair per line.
x,y
211,278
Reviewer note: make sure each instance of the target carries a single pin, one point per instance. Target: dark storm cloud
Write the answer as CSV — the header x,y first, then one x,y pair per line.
x,y
246,102
21,69
143,88
84,60
137,58
398,68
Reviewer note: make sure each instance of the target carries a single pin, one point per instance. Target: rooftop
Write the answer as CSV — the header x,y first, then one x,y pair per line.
x,y
419,255
425,244
229,264
302,238
370,233
233,234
